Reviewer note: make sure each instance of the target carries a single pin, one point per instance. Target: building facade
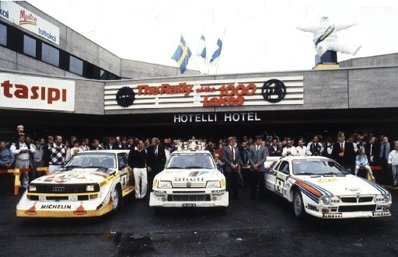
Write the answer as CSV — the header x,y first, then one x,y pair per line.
x,y
32,41
58,81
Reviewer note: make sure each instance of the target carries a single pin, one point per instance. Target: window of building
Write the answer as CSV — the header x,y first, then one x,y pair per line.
x,y
3,35
29,46
102,74
76,65
50,54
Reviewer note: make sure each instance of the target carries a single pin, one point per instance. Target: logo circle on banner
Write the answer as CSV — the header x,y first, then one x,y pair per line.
x,y
273,91
125,96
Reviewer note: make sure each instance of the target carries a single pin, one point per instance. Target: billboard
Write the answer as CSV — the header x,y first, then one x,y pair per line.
x,y
206,93
38,93
28,20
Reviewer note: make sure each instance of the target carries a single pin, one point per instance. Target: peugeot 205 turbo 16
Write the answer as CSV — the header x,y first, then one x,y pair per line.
x,y
91,184
190,179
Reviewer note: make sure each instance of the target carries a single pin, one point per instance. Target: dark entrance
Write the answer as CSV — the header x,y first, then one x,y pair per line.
x,y
284,123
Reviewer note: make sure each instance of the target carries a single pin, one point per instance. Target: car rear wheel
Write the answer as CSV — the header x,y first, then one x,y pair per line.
x,y
298,205
116,198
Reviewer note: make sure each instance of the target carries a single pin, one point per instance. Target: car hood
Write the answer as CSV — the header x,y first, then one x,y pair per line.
x,y
74,176
342,185
176,175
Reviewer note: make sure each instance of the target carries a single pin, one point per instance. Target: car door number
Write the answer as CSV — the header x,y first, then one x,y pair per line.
x,y
279,185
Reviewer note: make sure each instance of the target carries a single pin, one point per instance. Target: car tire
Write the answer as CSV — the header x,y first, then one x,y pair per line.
x,y
298,205
116,197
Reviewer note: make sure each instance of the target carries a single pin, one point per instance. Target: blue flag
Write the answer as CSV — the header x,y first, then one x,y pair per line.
x,y
182,55
202,47
217,53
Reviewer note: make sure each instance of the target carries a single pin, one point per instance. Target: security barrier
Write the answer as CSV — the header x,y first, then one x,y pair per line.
x,y
17,174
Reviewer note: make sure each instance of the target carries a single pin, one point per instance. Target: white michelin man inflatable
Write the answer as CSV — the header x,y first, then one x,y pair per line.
x,y
325,37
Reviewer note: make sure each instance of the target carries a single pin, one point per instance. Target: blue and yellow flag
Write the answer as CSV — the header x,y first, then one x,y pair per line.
x,y
182,55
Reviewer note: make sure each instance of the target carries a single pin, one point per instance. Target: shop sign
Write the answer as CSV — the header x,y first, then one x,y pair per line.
x,y
30,92
28,20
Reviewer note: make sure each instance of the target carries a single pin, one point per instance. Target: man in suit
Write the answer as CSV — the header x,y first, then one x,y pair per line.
x,y
274,149
232,160
385,149
156,159
344,153
258,156
315,148
372,150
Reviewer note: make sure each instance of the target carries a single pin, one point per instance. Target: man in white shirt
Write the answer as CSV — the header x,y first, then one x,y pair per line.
x,y
22,152
393,163
289,149
301,148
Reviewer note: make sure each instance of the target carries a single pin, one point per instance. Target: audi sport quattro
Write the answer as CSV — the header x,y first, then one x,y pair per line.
x,y
320,187
91,184
190,179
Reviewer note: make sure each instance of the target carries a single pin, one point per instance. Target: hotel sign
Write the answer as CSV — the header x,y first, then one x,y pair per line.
x,y
205,94
216,117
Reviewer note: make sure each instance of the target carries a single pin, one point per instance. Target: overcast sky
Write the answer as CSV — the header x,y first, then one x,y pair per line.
x,y
258,35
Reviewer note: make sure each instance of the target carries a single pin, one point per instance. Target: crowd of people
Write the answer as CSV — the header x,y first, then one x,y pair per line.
x,y
359,151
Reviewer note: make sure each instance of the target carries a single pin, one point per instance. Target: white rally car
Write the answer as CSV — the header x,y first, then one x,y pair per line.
x,y
91,184
190,179
320,187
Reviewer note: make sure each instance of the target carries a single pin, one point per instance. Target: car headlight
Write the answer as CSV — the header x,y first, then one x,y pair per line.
x,y
32,188
334,199
325,199
164,184
386,198
90,188
213,184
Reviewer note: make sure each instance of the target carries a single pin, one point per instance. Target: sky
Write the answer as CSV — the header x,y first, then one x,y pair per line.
x,y
257,35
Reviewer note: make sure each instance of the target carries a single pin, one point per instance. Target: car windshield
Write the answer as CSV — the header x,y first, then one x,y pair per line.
x,y
92,160
317,167
190,161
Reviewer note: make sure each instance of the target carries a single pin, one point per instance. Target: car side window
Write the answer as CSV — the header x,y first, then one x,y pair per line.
x,y
122,160
284,167
276,166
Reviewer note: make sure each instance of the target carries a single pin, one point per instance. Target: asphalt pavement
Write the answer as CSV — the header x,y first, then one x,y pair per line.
x,y
248,228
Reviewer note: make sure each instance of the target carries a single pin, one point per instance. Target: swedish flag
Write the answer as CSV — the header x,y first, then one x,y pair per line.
x,y
182,55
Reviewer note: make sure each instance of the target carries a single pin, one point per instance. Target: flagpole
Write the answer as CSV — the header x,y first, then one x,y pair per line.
x,y
197,65
219,58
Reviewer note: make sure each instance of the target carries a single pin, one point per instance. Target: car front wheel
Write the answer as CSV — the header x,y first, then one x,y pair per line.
x,y
116,198
298,205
